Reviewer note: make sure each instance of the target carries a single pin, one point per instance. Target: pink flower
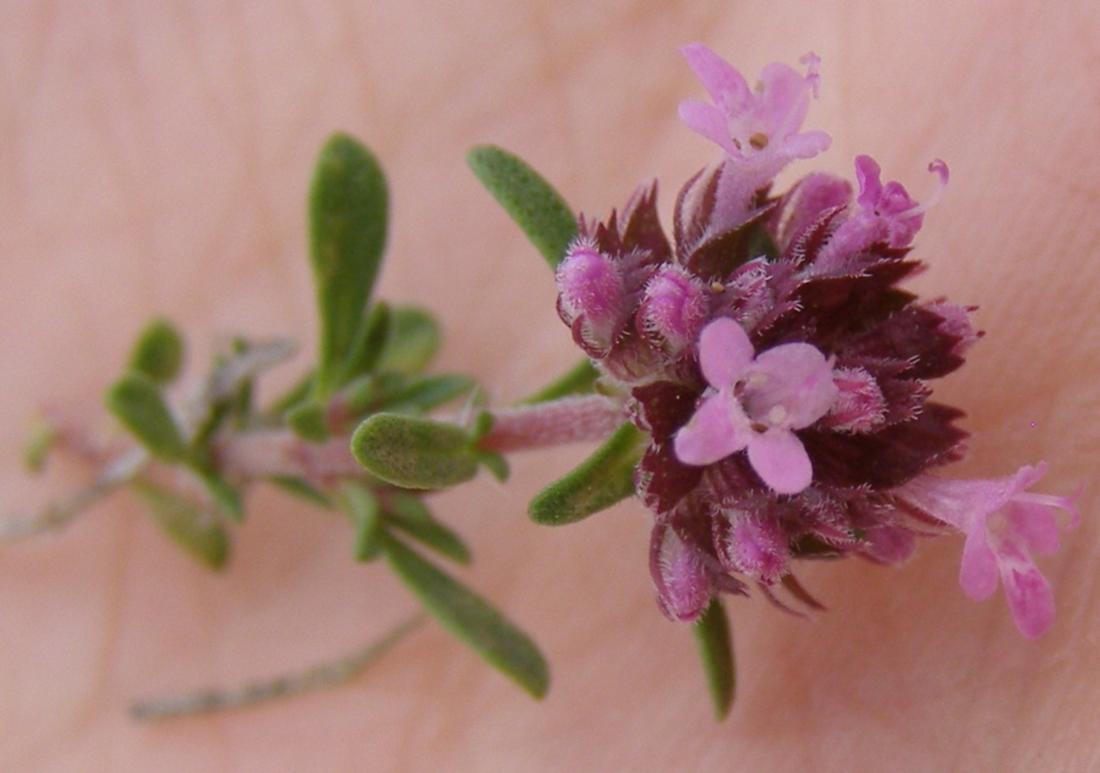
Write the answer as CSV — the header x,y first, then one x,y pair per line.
x,y
759,129
1004,525
747,122
757,403
886,213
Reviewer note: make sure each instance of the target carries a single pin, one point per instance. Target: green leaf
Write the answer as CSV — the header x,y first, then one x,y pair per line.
x,y
36,450
158,352
535,206
471,619
495,463
413,452
408,513
365,511
423,394
413,340
137,402
302,489
225,495
307,421
580,379
191,527
348,207
369,342
601,480
712,633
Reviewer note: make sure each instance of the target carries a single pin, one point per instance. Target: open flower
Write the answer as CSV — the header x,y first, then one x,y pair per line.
x,y
886,214
747,122
1005,525
757,403
759,129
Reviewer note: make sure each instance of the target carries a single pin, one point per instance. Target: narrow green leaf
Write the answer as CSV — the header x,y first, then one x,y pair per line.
x,y
369,341
187,524
712,633
36,450
408,513
423,394
413,340
137,402
601,480
580,379
348,209
307,421
225,495
302,489
495,463
365,511
530,201
158,352
413,452
471,619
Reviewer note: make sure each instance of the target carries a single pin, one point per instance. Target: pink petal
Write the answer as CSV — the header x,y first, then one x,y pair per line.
x,y
888,544
1035,525
784,101
725,85
806,145
781,461
796,376
683,586
978,572
724,352
717,429
708,121
870,185
1029,597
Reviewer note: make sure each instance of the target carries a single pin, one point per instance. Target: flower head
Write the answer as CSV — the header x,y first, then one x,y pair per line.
x,y
1005,525
774,324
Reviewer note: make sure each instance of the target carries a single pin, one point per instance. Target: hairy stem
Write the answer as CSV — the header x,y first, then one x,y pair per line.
x,y
568,420
323,675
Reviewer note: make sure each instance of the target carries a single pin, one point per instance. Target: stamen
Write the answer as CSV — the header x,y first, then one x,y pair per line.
x,y
940,169
758,140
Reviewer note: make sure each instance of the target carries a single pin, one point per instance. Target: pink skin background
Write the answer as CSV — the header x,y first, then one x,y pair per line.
x,y
155,158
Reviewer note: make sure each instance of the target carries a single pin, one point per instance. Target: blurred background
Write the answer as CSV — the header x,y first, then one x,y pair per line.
x,y
154,159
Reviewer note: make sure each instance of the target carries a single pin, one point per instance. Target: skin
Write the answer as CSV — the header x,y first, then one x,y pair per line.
x,y
155,160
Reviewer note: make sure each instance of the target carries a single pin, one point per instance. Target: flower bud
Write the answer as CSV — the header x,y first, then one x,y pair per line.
x,y
591,297
754,546
674,309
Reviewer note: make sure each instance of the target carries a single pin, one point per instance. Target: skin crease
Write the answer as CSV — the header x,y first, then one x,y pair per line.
x,y
155,159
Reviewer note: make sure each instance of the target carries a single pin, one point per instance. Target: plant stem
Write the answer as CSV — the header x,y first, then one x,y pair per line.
x,y
59,513
567,420
323,675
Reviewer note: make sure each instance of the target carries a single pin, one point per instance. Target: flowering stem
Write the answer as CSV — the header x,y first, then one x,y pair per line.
x,y
264,453
328,674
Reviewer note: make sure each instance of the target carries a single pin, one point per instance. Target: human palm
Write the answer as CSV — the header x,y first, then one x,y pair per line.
x,y
156,162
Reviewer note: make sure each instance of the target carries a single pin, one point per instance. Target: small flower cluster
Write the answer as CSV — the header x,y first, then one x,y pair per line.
x,y
781,373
